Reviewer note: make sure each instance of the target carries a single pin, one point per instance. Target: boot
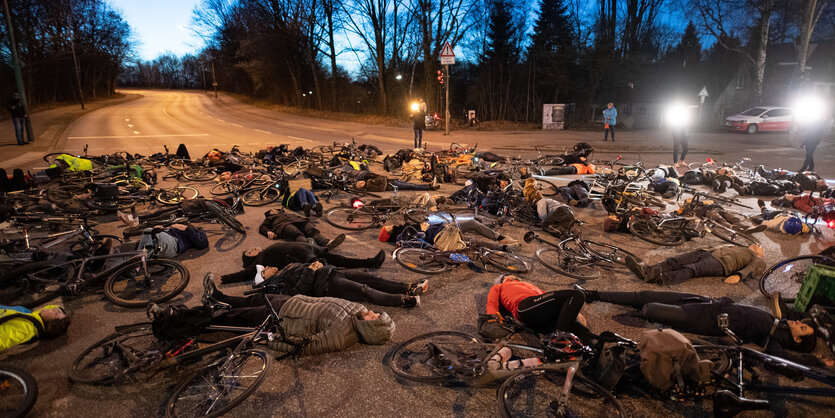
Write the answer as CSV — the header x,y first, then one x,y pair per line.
x,y
591,295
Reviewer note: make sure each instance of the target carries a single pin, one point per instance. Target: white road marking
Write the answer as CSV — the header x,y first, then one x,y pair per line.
x,y
130,125
136,132
263,132
235,124
134,136
297,138
221,120
127,119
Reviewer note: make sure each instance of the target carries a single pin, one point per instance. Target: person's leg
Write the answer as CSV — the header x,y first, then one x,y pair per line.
x,y
675,149
292,233
312,232
244,275
403,185
612,131
810,154
555,310
561,170
671,315
420,138
474,226
341,287
706,266
376,282
242,317
19,126
638,299
605,134
684,147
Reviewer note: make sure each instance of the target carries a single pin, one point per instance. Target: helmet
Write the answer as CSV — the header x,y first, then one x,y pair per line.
x,y
564,346
150,177
792,226
583,149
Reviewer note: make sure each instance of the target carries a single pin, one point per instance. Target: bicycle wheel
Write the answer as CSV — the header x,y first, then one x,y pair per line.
x,y
719,357
225,217
567,264
214,390
506,261
126,351
547,188
224,188
649,231
110,205
538,393
415,215
199,174
18,392
420,260
176,195
787,276
128,287
733,237
260,197
31,283
292,169
423,358
609,252
351,219
134,185
50,158
178,164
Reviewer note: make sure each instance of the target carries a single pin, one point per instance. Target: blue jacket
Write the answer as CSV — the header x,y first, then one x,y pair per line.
x,y
610,116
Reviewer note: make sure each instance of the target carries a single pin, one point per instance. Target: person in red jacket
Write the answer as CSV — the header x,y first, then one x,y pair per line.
x,y
543,312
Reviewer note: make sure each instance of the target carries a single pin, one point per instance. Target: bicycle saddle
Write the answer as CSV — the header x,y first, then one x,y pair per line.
x,y
726,404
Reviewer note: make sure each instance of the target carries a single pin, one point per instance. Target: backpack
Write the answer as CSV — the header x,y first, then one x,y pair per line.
x,y
668,358
391,162
178,321
449,239
20,181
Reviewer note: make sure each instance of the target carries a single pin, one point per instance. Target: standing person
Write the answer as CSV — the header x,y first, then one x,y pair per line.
x,y
610,119
18,113
419,118
813,138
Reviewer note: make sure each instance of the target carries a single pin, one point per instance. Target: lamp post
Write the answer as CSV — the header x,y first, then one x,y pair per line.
x,y
17,73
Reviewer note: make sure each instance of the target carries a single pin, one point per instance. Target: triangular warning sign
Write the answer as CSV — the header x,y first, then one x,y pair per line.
x,y
447,51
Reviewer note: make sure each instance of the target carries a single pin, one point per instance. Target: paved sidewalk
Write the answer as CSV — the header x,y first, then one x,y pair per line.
x,y
49,126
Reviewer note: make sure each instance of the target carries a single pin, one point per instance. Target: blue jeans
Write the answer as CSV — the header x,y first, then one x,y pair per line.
x,y
418,138
19,129
306,196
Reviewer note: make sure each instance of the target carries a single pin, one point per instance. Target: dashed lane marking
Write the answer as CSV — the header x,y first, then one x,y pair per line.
x,y
299,139
235,124
133,136
136,132
263,132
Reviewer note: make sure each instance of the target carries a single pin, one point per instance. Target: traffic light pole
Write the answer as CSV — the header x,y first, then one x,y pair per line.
x,y
446,100
17,73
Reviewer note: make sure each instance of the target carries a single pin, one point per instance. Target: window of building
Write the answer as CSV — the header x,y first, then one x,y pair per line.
x,y
740,82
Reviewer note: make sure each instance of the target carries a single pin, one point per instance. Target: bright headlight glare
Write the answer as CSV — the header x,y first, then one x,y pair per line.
x,y
809,109
415,107
677,115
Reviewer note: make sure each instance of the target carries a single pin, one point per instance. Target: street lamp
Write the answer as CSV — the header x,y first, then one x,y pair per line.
x,y
398,77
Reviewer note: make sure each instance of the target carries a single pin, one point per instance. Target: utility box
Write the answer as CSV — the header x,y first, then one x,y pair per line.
x,y
553,117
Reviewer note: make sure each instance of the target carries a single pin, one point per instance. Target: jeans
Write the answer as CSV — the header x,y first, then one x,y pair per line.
x,y
191,237
298,253
555,311
684,267
575,192
474,226
418,138
292,232
359,286
610,129
679,140
637,300
403,185
19,129
306,196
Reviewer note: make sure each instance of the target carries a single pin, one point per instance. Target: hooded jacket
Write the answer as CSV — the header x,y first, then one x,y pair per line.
x,y
19,330
331,324
739,260
279,221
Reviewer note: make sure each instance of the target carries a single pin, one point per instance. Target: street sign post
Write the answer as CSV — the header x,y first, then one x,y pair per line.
x,y
447,59
702,94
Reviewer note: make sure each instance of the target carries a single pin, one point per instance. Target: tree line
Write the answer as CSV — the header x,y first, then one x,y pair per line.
x,y
48,32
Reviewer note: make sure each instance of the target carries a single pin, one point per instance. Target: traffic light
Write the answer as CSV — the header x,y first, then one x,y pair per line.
x,y
440,77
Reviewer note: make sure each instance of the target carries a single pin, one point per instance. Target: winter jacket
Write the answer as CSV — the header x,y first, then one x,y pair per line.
x,y
15,108
739,260
19,330
331,324
299,279
279,221
610,116
508,295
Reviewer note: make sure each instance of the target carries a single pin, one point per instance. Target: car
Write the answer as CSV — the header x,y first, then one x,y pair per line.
x,y
761,119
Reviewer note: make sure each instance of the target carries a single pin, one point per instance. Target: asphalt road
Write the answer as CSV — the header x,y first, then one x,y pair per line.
x,y
356,382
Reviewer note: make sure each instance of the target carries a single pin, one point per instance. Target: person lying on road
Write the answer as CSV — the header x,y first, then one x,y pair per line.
x,y
732,262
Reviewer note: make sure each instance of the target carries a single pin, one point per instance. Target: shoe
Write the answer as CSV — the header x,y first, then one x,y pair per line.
x,y
435,185
410,301
655,275
378,259
761,170
511,244
591,295
758,228
573,202
209,289
418,288
153,311
760,202
306,209
127,219
638,269
335,242
317,209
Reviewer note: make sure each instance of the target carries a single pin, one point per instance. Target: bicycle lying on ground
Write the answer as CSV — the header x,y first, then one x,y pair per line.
x,y
18,392
215,388
675,230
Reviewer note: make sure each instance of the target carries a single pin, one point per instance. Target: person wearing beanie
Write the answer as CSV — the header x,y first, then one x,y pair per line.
x,y
279,224
319,280
732,262
280,254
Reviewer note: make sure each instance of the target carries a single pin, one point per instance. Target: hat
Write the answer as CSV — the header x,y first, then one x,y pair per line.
x,y
258,277
247,260
384,235
792,226
375,331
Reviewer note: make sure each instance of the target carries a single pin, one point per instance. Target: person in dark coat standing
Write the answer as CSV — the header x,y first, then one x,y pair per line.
x,y
811,141
419,117
18,113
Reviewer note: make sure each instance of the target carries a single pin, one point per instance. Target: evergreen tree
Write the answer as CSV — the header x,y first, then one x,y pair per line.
x,y
551,56
496,67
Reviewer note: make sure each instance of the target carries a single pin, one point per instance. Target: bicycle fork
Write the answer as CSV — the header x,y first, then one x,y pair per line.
x,y
559,407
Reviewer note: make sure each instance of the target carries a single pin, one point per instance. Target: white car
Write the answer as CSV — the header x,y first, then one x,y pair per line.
x,y
761,119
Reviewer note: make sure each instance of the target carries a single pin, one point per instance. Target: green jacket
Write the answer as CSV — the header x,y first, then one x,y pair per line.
x,y
19,330
739,260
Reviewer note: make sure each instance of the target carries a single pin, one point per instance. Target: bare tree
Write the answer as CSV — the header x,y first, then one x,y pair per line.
x,y
812,11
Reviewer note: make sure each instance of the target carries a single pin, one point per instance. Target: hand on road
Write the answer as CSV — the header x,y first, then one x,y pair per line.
x,y
271,235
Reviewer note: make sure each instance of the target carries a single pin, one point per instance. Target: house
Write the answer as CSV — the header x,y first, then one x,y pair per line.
x,y
778,88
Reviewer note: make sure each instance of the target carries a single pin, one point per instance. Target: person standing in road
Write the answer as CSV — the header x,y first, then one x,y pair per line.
x,y
18,113
814,132
610,116
419,117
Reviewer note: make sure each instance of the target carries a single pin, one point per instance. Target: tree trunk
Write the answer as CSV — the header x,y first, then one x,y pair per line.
x,y
759,71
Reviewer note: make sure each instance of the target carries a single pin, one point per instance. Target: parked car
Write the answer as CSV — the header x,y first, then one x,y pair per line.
x,y
761,119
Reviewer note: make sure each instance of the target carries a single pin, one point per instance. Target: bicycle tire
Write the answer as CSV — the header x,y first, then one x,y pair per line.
x,y
200,174
171,197
415,215
141,339
419,260
412,360
50,158
616,254
225,217
521,390
786,276
506,261
110,205
205,383
350,219
649,231
12,378
547,188
178,164
135,184
260,197
224,188
567,265
125,277
733,237
717,355
46,274
293,169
